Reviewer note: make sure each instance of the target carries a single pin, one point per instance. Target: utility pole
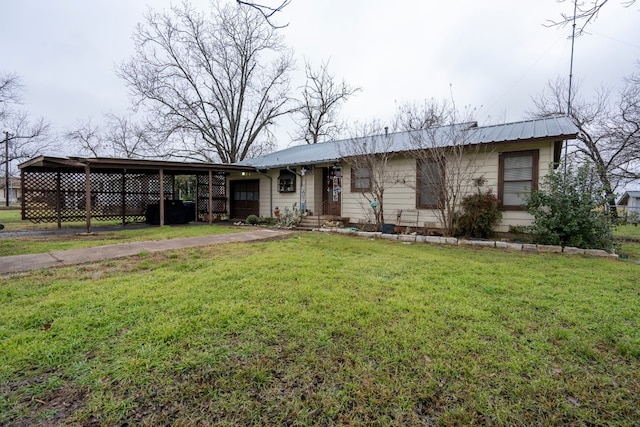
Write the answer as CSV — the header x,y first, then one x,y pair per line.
x,y
573,41
6,167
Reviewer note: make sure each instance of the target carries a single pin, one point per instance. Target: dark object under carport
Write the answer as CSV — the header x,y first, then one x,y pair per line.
x,y
175,212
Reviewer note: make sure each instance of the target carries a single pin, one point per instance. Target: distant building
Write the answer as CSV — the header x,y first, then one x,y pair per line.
x,y
630,201
15,193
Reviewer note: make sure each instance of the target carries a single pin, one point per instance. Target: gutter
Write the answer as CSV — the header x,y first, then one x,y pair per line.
x,y
270,189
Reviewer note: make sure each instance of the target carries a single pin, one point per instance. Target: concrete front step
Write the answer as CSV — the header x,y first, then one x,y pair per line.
x,y
311,222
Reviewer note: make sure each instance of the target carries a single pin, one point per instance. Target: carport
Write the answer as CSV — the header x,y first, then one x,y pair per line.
x,y
85,189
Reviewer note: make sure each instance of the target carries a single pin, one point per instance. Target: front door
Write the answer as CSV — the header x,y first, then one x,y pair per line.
x,y
332,194
245,198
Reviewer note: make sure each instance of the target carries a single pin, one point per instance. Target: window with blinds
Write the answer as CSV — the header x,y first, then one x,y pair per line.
x,y
518,177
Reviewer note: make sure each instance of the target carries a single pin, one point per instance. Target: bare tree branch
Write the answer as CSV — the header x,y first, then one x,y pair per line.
x,y
87,138
321,100
266,11
585,13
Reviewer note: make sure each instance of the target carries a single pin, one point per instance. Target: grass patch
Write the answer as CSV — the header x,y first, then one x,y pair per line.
x,y
324,330
628,237
117,234
627,231
11,218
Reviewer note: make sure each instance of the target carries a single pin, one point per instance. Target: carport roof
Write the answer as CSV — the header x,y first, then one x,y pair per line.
x,y
130,165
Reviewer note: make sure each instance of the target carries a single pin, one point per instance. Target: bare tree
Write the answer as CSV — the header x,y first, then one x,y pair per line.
x,y
428,114
119,136
87,138
10,94
128,138
207,81
27,137
369,154
322,97
608,130
627,128
267,11
586,12
448,166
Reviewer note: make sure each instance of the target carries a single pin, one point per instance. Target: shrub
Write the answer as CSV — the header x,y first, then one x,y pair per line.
x,y
571,210
480,214
252,219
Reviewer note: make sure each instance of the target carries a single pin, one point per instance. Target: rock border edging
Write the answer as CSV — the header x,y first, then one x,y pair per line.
x,y
524,247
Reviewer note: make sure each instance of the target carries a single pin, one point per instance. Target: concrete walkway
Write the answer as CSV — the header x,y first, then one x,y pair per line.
x,y
21,263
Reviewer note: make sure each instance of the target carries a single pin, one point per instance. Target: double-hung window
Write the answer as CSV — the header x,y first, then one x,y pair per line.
x,y
430,180
518,177
360,179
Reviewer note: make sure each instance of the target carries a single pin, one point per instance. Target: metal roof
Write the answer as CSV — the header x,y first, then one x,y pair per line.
x,y
333,151
626,196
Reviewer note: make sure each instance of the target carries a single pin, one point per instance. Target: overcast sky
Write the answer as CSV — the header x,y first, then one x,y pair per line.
x,y
492,54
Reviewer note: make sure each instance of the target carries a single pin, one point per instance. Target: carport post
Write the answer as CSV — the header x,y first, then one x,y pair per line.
x,y
58,200
87,181
210,197
123,195
161,174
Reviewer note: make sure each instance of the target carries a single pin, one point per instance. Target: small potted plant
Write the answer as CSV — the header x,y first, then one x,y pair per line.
x,y
276,212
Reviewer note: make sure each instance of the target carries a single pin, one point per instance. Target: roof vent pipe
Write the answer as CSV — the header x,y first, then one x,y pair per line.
x,y
386,130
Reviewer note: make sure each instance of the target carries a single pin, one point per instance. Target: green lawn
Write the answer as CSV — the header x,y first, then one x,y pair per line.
x,y
116,234
323,330
11,218
629,231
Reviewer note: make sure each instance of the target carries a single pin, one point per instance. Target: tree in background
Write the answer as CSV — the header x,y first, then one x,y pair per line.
x,y
322,97
627,127
27,138
212,86
608,137
120,137
428,114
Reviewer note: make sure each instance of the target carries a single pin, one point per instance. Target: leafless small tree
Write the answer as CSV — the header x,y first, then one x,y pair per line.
x,y
322,97
10,94
118,136
27,137
368,154
424,115
448,165
87,138
586,12
208,82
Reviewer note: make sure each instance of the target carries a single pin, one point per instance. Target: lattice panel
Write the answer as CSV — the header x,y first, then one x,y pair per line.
x,y
61,196
53,196
42,203
218,191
